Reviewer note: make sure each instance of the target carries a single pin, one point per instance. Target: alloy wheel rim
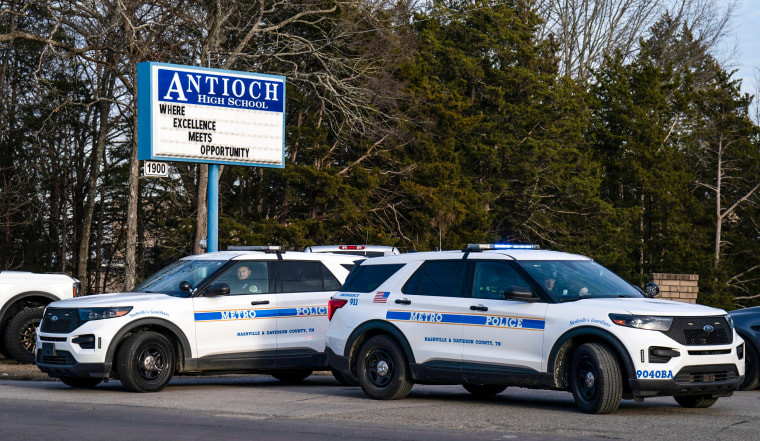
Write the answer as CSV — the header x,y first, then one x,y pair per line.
x,y
29,336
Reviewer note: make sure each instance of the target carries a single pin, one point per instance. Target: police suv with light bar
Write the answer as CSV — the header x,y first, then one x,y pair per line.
x,y
254,309
489,317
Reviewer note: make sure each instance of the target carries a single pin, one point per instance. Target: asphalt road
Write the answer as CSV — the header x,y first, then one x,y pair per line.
x,y
259,407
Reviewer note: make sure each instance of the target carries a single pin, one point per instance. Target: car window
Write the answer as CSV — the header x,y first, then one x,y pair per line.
x,y
246,278
329,280
574,279
366,278
301,276
169,279
493,280
438,278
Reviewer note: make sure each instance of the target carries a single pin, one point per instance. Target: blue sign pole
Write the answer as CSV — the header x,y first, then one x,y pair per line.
x,y
212,234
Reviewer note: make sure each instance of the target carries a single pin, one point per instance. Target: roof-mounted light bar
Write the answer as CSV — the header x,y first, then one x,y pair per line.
x,y
351,247
499,246
265,248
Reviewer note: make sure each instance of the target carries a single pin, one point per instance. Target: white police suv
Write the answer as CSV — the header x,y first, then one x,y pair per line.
x,y
230,311
489,317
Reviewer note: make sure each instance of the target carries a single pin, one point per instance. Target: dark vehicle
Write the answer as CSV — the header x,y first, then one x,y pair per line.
x,y
747,323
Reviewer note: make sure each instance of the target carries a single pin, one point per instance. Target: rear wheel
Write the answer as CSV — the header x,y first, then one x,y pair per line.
x,y
595,379
484,390
21,334
751,374
382,369
696,401
81,382
292,376
145,362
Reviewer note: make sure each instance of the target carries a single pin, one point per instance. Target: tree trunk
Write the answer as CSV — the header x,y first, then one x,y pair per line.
x,y
130,269
92,182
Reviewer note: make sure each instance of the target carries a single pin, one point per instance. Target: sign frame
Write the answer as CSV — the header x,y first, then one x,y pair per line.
x,y
148,110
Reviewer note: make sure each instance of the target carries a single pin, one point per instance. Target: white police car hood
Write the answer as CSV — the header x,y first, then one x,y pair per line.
x,y
115,299
645,306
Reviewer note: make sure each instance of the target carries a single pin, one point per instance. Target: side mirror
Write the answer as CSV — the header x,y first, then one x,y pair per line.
x,y
519,293
217,289
185,286
651,289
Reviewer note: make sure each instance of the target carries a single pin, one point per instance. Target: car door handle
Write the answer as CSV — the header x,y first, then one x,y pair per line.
x,y
479,308
260,302
403,301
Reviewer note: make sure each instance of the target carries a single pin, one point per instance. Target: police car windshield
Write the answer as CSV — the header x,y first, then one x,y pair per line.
x,y
566,280
168,279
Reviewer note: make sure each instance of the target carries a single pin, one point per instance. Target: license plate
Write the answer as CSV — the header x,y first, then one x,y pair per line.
x,y
48,350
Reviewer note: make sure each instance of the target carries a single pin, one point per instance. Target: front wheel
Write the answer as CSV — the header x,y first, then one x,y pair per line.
x,y
21,334
595,379
382,369
292,376
484,390
81,382
751,374
145,362
696,401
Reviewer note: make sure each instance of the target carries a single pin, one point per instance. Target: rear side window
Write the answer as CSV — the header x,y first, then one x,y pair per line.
x,y
438,278
300,276
366,278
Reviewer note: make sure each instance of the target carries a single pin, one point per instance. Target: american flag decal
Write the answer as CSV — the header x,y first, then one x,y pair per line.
x,y
381,297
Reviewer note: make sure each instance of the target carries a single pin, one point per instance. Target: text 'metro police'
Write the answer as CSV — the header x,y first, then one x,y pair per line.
x,y
220,90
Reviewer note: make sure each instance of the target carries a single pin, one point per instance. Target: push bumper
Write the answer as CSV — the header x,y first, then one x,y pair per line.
x,y
62,364
717,381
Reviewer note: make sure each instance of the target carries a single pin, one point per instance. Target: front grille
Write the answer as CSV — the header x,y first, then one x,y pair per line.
x,y
60,358
690,331
46,338
60,320
708,374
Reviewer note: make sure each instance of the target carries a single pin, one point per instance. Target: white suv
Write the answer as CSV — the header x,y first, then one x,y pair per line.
x,y
488,318
23,295
229,311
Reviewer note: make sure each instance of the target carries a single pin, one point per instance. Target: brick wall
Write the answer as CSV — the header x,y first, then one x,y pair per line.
x,y
680,287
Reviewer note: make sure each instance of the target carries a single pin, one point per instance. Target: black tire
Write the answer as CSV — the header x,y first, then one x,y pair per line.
x,y
3,351
292,376
484,390
345,380
382,369
81,382
595,379
21,335
145,362
696,401
751,374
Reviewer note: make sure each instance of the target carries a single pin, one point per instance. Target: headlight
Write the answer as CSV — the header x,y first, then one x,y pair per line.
x,y
653,323
86,314
730,321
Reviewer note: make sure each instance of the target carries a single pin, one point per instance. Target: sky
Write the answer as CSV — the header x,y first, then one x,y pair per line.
x,y
747,36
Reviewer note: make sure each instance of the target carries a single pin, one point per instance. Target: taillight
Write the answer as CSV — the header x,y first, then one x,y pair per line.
x,y
333,305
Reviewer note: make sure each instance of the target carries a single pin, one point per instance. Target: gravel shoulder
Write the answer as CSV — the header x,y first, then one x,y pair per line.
x,y
12,370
